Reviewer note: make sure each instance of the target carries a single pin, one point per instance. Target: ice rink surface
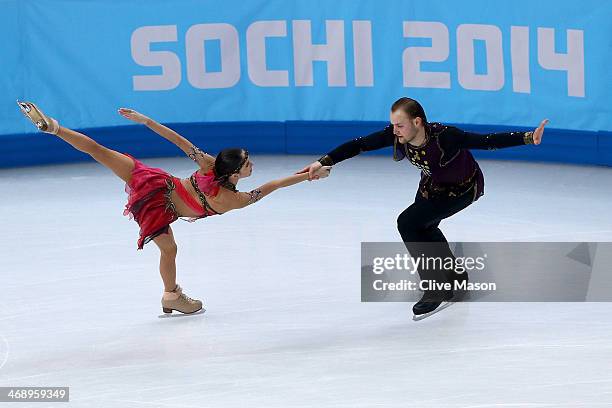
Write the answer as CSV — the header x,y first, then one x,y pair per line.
x,y
284,325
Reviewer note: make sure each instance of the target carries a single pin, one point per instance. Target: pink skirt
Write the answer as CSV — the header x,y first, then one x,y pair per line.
x,y
149,201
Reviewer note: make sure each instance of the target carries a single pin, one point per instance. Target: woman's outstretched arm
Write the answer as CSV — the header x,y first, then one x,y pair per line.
x,y
204,160
243,199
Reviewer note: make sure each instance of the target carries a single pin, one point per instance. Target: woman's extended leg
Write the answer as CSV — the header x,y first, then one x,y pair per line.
x,y
120,164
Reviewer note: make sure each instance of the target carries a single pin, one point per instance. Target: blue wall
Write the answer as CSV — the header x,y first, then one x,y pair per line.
x,y
292,137
299,76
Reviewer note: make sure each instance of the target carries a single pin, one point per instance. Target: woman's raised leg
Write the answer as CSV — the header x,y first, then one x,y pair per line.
x,y
120,164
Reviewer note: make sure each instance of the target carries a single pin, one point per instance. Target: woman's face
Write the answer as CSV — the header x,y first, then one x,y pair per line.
x,y
247,169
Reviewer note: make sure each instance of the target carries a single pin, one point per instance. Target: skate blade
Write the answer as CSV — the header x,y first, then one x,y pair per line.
x,y
442,306
179,314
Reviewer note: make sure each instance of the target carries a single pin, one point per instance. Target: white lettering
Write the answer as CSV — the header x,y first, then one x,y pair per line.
x,y
196,38
256,53
304,53
376,266
493,80
519,54
413,56
169,62
362,51
572,62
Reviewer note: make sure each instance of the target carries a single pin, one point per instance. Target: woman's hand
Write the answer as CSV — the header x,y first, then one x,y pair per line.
x,y
311,169
133,115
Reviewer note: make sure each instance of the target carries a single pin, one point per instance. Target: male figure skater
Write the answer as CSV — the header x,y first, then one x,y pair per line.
x,y
451,180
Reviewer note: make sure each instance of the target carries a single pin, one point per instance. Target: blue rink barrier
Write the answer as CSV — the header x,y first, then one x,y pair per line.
x,y
271,61
291,137
300,77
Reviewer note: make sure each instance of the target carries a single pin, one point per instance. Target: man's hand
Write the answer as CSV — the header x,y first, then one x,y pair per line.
x,y
133,116
539,132
322,172
311,169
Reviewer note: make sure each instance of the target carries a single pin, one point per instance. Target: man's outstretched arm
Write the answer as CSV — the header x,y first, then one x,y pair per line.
x,y
352,148
466,140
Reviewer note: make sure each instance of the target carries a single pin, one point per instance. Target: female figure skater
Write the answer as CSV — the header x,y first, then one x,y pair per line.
x,y
156,199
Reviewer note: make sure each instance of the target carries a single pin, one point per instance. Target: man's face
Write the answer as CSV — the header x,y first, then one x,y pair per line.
x,y
404,128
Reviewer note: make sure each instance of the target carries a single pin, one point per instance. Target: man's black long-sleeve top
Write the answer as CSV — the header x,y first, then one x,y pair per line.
x,y
448,169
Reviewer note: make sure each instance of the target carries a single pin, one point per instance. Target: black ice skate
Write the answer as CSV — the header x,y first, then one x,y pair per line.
x,y
431,302
459,281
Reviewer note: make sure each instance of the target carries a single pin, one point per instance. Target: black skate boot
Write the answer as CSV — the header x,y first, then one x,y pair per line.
x,y
431,302
459,282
